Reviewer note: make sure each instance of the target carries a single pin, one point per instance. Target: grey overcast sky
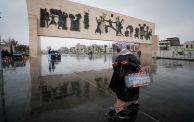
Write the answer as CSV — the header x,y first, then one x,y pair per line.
x,y
172,17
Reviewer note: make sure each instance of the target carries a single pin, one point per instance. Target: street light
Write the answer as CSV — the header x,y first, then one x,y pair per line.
x,y
0,53
0,48
1,67
2,95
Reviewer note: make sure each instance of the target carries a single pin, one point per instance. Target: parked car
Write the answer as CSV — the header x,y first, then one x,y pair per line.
x,y
55,55
17,55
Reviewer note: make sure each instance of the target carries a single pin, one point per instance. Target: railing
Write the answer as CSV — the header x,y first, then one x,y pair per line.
x,y
173,54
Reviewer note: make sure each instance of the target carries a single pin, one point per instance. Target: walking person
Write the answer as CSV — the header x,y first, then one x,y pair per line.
x,y
23,56
6,56
3,54
11,55
127,97
49,54
189,54
139,53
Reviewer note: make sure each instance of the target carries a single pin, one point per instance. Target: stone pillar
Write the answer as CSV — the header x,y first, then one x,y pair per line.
x,y
155,43
34,43
148,50
35,72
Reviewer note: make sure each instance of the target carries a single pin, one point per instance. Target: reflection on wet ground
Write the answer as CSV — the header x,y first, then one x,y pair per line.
x,y
75,63
15,97
12,64
72,89
63,88
83,95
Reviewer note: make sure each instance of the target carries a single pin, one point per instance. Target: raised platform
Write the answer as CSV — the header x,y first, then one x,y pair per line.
x,y
176,58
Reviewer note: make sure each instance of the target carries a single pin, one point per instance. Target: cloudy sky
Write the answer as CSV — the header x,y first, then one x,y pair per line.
x,y
172,17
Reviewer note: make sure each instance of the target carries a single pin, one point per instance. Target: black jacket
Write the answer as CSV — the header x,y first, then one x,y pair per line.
x,y
123,65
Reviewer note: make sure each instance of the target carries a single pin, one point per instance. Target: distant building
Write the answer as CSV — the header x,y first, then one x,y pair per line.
x,y
81,49
169,43
189,44
91,49
72,50
64,50
97,49
109,49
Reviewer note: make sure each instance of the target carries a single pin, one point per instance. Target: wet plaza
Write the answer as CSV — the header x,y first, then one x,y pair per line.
x,y
75,89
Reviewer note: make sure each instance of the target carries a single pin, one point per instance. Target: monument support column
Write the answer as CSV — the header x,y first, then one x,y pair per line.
x,y
34,42
148,49
155,43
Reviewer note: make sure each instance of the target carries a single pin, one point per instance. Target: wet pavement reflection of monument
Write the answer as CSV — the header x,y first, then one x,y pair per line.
x,y
68,86
83,82
77,91
33,89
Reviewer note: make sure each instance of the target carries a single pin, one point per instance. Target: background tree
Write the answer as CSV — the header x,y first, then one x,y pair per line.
x,y
11,44
22,48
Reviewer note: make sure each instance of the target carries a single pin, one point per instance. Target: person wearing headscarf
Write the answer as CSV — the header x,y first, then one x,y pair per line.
x,y
127,98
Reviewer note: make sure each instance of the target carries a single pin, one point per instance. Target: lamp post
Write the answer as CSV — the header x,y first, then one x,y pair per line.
x,y
0,53
1,68
0,50
2,95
